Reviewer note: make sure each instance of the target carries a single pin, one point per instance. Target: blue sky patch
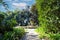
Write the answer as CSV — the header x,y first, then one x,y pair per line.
x,y
21,4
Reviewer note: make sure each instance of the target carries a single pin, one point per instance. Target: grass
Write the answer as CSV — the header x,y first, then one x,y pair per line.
x,y
49,36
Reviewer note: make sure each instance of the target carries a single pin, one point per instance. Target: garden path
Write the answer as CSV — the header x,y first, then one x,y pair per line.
x,y
30,35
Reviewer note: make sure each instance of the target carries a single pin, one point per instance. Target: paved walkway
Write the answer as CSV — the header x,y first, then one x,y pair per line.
x,y
30,35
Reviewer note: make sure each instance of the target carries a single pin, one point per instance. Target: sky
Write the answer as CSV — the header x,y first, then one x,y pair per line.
x,y
20,4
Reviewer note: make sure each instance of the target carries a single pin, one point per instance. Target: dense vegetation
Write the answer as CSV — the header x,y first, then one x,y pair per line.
x,y
49,19
7,30
16,34
10,19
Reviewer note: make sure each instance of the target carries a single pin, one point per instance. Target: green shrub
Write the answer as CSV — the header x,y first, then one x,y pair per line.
x,y
9,36
49,17
49,36
6,25
54,36
42,33
9,24
16,34
19,31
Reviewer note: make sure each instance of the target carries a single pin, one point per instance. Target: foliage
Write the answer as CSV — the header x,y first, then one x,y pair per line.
x,y
10,23
54,36
7,22
19,31
16,34
6,27
1,19
49,16
34,14
3,13
33,8
49,36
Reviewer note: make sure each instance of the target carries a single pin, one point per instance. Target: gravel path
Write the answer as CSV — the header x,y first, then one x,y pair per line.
x,y
30,35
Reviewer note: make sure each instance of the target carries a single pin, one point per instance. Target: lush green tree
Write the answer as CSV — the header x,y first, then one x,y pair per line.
x,y
7,22
33,8
34,14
